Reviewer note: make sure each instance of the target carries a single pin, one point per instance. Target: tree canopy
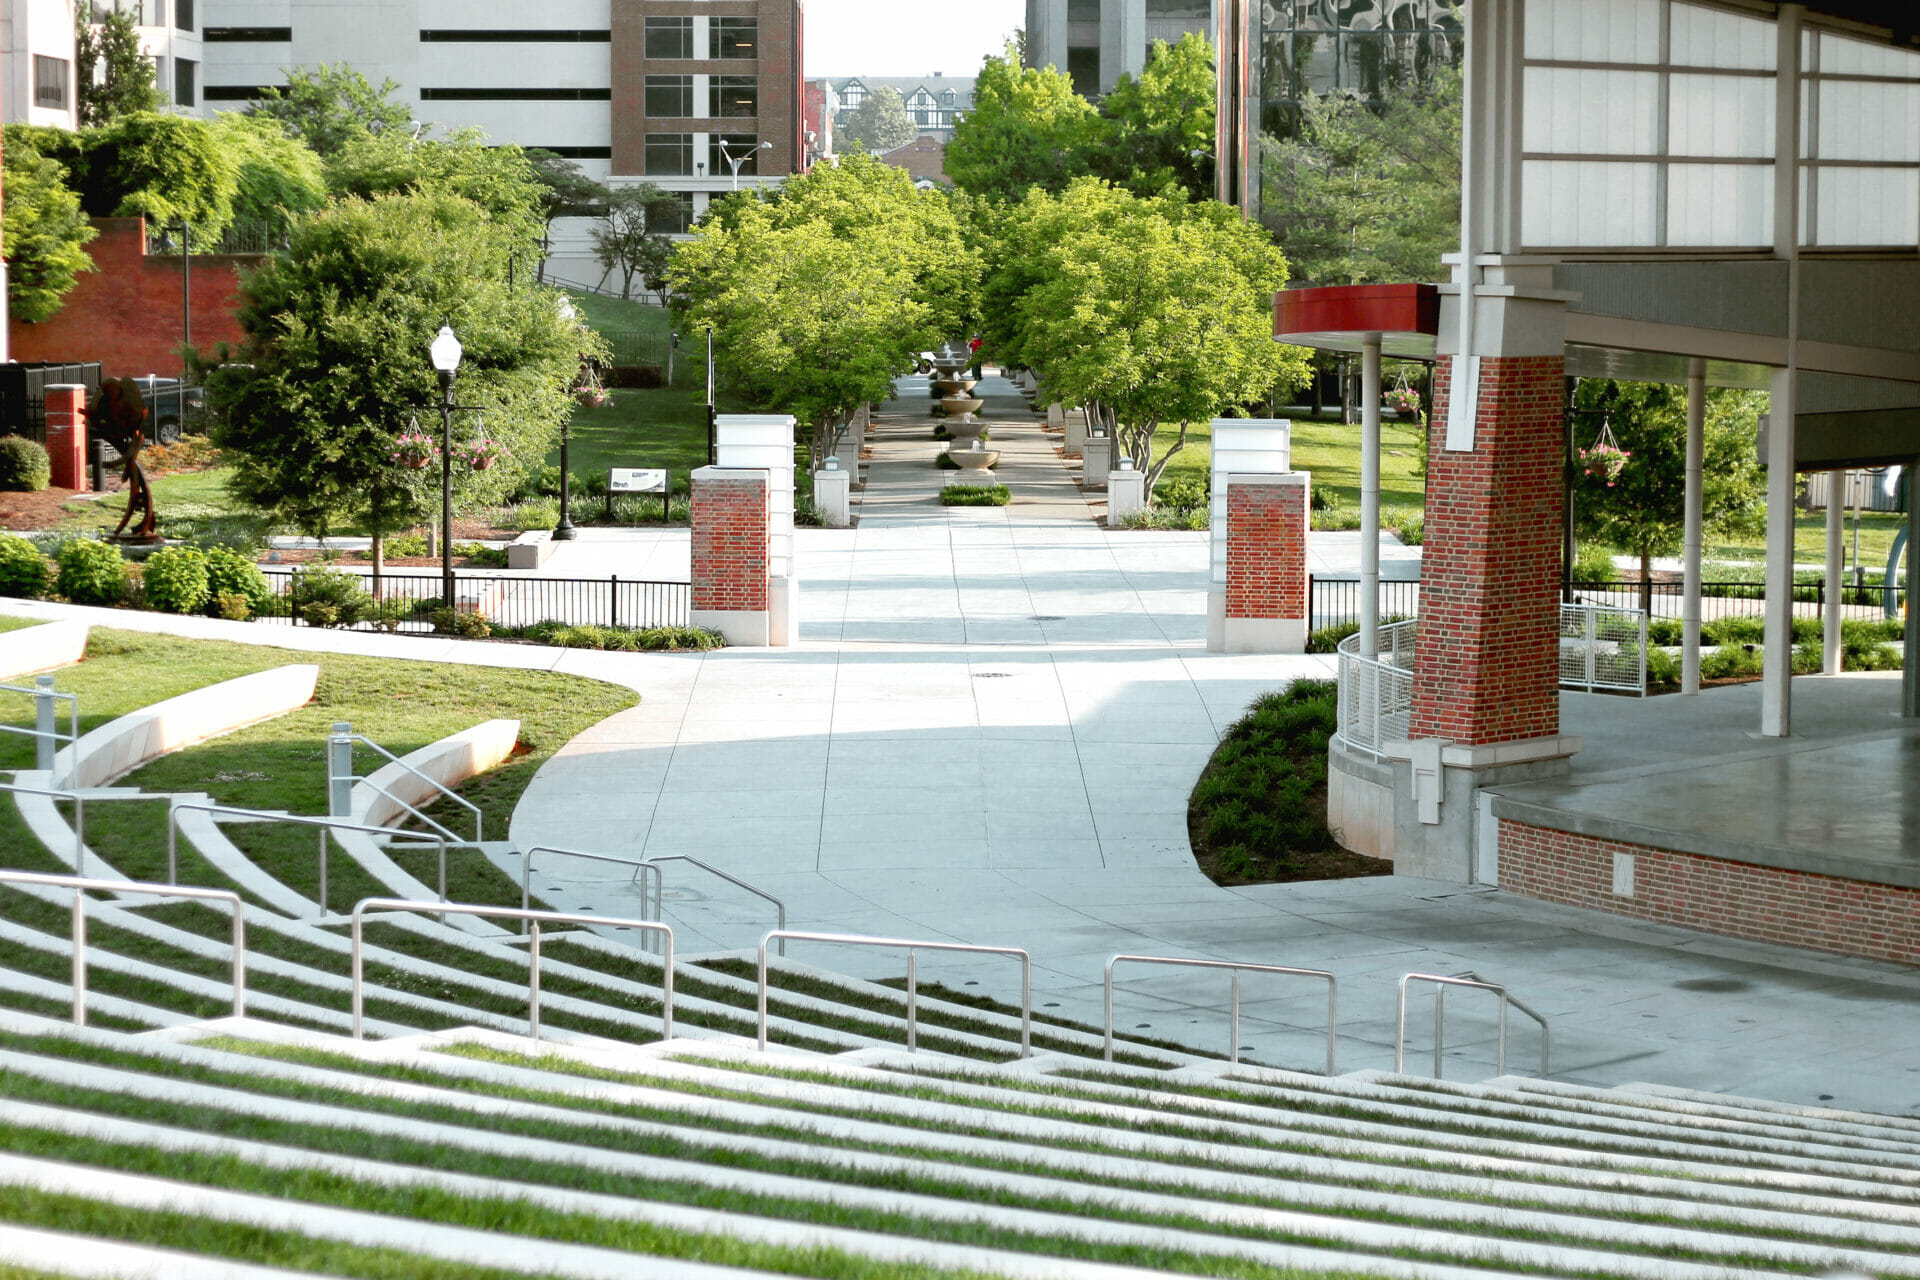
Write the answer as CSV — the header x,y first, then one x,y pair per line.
x,y
276,178
330,107
165,168
45,233
334,364
879,123
113,77
1027,128
629,238
500,179
1157,131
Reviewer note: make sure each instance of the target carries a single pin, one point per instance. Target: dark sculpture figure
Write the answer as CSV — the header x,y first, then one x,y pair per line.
x,y
118,415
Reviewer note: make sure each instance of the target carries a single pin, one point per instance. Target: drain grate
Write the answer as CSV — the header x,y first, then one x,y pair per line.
x,y
992,675
1048,617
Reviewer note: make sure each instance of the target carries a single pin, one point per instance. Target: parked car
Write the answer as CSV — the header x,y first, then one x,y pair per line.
x,y
172,410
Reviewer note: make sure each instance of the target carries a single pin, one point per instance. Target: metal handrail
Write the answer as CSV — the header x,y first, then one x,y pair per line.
x,y
1441,983
526,872
268,817
435,783
1233,1024
46,730
79,816
536,918
81,884
912,946
660,882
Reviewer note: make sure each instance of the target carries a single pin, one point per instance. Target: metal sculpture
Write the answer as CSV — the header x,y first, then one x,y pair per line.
x,y
118,415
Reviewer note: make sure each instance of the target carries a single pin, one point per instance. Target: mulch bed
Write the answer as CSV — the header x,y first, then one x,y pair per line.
x,y
42,510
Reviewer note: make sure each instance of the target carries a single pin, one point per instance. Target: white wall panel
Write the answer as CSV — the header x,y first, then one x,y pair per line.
x,y
531,66
1869,207
1594,30
1720,116
1720,206
1714,38
1864,120
1571,204
1592,112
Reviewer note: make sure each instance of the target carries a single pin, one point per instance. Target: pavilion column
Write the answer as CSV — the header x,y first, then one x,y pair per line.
x,y
1695,520
1836,592
1370,495
1776,677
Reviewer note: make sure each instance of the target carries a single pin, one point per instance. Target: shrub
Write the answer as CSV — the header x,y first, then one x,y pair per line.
x,y
460,622
91,572
1730,662
1327,639
24,467
541,514
1408,526
1662,667
624,639
1665,631
966,495
1169,518
404,546
230,574
1593,563
328,598
176,581
23,570
944,462
232,606
1186,493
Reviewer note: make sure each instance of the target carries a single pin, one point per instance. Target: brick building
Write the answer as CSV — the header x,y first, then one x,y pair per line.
x,y
925,159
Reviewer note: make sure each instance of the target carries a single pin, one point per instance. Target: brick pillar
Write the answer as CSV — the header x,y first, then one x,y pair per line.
x,y
1266,586
67,436
1487,661
731,554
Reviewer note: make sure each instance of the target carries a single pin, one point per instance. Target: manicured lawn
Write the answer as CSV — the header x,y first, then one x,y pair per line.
x,y
1330,451
643,428
615,315
1877,530
190,495
15,624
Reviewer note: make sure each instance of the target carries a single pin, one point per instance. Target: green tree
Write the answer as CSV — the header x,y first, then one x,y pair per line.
x,y
277,178
329,107
113,77
334,363
165,168
1158,132
500,179
1027,128
1147,311
45,233
565,192
629,239
1642,509
879,123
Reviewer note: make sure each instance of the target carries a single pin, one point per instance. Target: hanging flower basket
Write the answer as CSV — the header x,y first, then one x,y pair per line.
x,y
482,454
1402,400
413,451
1605,461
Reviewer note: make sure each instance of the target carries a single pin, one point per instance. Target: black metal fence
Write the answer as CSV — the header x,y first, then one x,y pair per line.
x,y
1335,602
407,599
633,347
23,393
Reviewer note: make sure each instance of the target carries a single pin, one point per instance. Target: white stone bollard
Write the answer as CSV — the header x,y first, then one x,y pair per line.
x,y
1126,493
1057,416
1076,446
833,494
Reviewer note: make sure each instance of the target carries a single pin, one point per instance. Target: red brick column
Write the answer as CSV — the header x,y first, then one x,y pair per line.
x,y
1487,662
730,553
1265,597
67,436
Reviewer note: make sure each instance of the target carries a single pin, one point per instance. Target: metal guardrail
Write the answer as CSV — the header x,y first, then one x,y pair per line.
x,y
341,779
1441,983
535,919
267,817
660,881
46,716
1233,1023
79,799
652,887
1375,702
511,599
82,884
911,947
641,867
1603,648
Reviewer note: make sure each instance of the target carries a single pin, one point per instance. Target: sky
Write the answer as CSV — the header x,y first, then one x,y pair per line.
x,y
906,37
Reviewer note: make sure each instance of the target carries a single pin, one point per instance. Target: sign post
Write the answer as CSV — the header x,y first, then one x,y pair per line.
x,y
641,480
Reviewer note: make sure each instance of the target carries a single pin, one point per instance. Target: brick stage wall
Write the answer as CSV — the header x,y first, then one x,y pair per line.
x,y
1267,550
1767,904
1487,662
730,570
126,313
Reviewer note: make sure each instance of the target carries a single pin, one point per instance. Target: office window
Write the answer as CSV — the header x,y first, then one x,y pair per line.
x,y
670,96
670,154
186,76
733,97
49,82
674,218
183,15
497,94
744,147
1181,10
236,92
1083,10
1083,68
669,37
736,37
247,35
503,35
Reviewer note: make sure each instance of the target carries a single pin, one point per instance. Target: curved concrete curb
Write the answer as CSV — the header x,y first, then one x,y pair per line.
x,y
449,762
124,744
47,647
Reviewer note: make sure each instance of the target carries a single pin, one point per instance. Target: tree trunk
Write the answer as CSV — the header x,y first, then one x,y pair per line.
x,y
379,561
1347,396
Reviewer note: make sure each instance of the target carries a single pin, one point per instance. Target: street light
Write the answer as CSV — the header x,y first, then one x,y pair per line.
x,y
735,163
445,354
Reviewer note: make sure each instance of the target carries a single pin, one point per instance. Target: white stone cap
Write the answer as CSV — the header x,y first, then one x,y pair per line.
x,y
733,473
1267,477
1454,755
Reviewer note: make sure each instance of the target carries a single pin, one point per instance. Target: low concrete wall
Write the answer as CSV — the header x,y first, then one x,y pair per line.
x,y
123,745
47,647
450,762
1360,801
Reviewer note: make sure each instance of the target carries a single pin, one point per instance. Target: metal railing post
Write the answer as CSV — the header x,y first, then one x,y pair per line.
x,y
358,992
80,834
46,724
1233,1021
1439,1026
533,980
1475,982
1237,968
239,961
323,871
79,957
340,776
762,1017
913,980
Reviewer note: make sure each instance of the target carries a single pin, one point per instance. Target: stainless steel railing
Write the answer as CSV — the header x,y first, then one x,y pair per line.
x,y
1233,1021
46,728
1375,704
653,886
659,884
79,799
340,776
81,885
326,825
1441,983
911,947
536,919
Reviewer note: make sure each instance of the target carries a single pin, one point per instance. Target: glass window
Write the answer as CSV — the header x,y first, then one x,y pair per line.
x,y
1582,31
1720,116
183,15
1083,68
49,82
733,97
1869,120
186,79
1720,205
736,38
744,147
669,96
1868,207
1576,203
673,216
670,154
1713,38
1581,112
669,38
1843,57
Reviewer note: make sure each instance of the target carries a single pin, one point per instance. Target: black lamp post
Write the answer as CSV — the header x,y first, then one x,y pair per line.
x,y
564,531
445,353
186,298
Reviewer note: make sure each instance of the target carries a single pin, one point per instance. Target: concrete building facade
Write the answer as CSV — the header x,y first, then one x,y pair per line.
x,y
1098,41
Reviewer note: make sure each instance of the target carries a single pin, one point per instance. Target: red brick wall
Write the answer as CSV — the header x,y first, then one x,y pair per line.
x,y
1266,550
730,545
1487,663
782,90
924,157
126,313
1797,908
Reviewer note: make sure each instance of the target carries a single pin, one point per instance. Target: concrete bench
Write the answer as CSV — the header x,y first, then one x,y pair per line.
x,y
530,550
47,647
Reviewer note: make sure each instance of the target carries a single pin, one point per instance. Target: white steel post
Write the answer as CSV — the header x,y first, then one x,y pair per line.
x,y
1695,519
1370,497
46,723
1836,569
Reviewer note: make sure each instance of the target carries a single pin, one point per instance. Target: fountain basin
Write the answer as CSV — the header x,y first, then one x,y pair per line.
x,y
954,406
975,459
